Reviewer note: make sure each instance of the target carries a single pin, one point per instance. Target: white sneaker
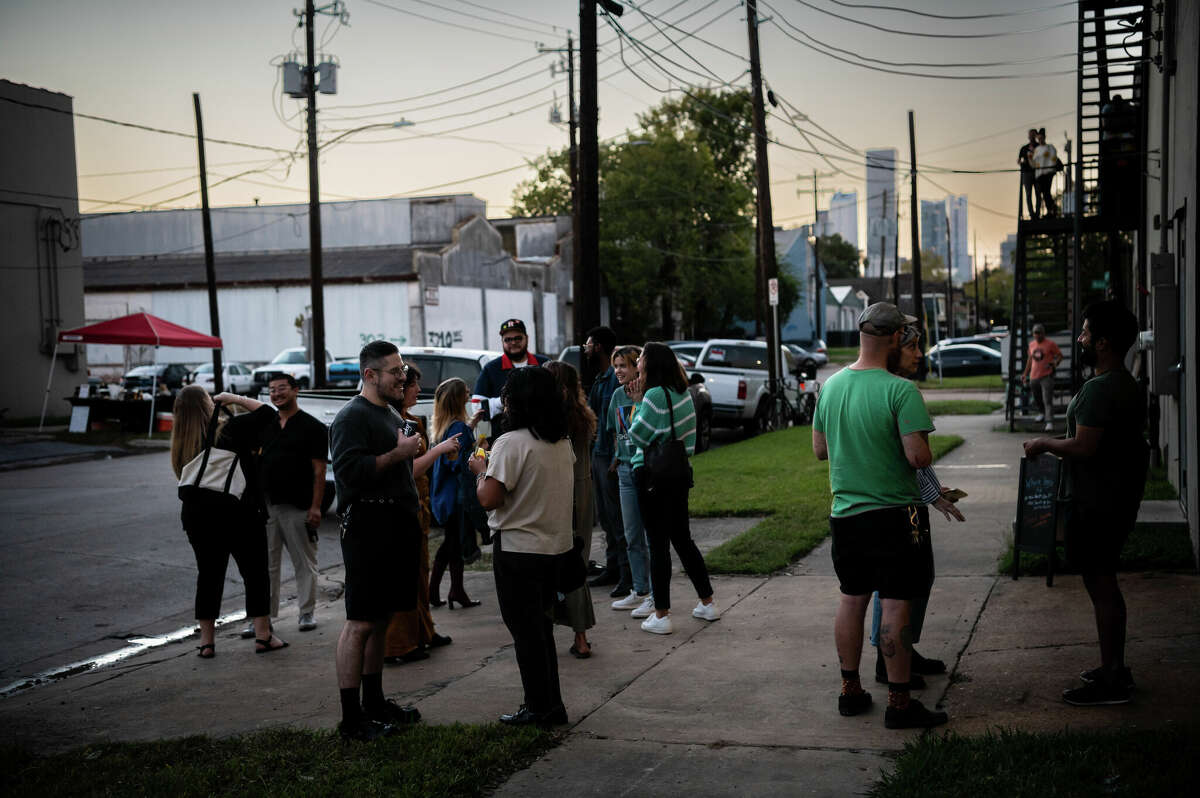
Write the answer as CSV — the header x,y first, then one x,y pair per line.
x,y
629,602
706,612
1040,417
645,609
658,626
1049,426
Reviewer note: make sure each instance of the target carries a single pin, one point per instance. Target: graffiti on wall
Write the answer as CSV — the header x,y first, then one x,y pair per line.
x,y
366,338
444,338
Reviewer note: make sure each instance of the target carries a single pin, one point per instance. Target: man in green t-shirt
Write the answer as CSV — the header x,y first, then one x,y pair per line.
x,y
1106,458
873,428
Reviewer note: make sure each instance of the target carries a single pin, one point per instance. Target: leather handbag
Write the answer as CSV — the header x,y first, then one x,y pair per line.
x,y
213,478
667,461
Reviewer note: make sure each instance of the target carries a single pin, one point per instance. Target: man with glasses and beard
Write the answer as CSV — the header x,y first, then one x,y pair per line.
x,y
495,374
373,451
1106,458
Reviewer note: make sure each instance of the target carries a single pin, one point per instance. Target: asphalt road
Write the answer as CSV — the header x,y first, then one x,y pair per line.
x,y
94,555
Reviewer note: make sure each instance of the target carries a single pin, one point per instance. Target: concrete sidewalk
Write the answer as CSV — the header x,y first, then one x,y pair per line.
x,y
746,705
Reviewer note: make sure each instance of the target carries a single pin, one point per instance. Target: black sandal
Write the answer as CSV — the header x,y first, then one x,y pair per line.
x,y
267,647
212,651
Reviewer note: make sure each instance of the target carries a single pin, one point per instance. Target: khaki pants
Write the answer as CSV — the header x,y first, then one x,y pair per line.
x,y
285,527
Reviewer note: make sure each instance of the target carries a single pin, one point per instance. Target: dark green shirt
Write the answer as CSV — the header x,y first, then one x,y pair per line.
x,y
1115,476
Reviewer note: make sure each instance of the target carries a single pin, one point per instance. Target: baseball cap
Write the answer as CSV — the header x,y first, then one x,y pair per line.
x,y
884,317
911,331
512,325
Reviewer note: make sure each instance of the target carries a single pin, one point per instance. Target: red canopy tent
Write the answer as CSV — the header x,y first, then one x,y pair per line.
x,y
136,328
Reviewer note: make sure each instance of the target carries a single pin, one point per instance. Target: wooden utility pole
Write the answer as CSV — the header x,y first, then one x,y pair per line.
x,y
882,244
317,320
949,280
573,165
819,310
210,269
896,257
587,274
767,268
918,299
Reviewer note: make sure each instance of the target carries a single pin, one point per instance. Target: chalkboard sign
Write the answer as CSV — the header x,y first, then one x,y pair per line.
x,y
1036,527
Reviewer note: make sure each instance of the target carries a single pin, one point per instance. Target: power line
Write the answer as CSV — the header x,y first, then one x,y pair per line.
x,y
436,92
451,24
924,34
996,15
554,28
997,134
147,128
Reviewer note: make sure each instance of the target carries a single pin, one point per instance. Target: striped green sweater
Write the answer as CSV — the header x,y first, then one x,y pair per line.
x,y
652,422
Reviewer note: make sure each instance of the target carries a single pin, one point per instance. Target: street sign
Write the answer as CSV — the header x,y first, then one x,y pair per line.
x,y
773,291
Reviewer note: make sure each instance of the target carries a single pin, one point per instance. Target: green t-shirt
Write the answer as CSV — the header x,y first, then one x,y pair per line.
x,y
1115,476
863,414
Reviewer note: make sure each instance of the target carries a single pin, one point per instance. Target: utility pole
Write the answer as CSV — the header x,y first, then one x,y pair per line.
x,y
918,299
985,291
767,268
896,258
883,243
573,173
587,274
210,270
820,306
975,274
949,281
317,321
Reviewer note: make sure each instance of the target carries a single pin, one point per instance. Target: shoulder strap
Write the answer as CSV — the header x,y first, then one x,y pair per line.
x,y
670,409
209,441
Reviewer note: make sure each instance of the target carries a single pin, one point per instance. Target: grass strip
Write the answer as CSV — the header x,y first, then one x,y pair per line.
x,y
1149,548
962,407
991,382
1067,764
775,475
842,354
453,760
1157,486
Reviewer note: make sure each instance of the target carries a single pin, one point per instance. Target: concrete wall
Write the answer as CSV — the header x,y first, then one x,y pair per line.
x,y
41,284
1178,433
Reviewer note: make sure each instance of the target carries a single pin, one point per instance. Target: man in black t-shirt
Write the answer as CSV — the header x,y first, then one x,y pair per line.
x,y
1025,161
1106,459
292,463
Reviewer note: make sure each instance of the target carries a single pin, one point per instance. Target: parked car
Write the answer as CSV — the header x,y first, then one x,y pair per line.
x,y
236,377
143,378
701,398
292,360
689,348
986,339
963,359
735,373
344,373
806,360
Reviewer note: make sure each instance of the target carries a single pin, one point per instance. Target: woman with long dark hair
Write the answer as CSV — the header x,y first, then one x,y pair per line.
x,y
665,411
576,610
527,486
237,528
411,633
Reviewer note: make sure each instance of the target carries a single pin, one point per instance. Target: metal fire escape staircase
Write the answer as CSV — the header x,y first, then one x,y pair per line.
x,y
1051,285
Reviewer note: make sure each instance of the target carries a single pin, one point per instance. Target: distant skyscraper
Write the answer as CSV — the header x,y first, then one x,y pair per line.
x,y
1008,252
843,216
959,248
933,226
823,226
881,210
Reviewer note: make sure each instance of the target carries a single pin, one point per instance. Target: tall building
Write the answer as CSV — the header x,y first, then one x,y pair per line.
x,y
843,216
959,246
881,210
1008,251
933,226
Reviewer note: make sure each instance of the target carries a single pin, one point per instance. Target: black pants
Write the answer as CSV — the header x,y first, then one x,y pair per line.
x,y
665,516
608,510
1045,193
213,541
1027,186
525,591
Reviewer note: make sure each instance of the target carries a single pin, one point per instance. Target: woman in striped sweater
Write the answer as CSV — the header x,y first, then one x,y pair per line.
x,y
661,395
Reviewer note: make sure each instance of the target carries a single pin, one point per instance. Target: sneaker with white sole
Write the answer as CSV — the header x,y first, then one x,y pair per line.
x,y
1040,417
706,612
307,622
1049,426
657,625
630,602
645,609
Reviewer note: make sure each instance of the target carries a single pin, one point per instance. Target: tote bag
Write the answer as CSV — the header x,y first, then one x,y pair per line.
x,y
212,479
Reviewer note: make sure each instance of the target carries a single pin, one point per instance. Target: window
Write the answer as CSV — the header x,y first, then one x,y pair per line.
x,y
736,356
290,356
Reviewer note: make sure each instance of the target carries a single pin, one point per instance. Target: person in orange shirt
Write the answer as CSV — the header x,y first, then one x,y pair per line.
x,y
1043,358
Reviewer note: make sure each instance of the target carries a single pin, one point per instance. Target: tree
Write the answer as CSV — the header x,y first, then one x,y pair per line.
x,y
838,256
676,218
999,291
933,267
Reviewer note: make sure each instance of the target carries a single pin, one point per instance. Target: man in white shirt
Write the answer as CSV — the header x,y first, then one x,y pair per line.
x,y
1045,164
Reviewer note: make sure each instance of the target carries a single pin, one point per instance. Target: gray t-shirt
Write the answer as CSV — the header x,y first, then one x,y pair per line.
x,y
361,432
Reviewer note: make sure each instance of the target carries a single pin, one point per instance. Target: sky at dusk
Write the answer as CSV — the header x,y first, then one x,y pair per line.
x,y
140,60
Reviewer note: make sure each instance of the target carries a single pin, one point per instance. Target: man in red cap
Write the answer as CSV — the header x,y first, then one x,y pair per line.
x,y
516,355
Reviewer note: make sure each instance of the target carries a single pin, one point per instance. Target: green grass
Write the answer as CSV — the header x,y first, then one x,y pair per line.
x,y
1157,486
1015,764
455,760
991,382
33,421
962,407
843,354
1147,549
774,475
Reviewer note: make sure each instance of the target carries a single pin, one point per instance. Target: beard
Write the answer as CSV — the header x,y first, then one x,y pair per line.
x,y
1087,355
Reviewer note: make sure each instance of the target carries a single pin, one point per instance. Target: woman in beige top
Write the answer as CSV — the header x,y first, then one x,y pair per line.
x,y
527,486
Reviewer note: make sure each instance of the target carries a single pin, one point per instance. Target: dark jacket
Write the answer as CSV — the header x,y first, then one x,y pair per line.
x,y
495,374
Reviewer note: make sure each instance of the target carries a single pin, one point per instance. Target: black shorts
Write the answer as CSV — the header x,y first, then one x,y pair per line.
x,y
381,549
888,550
1096,535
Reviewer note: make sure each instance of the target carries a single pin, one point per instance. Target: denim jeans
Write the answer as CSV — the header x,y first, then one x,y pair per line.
x,y
635,532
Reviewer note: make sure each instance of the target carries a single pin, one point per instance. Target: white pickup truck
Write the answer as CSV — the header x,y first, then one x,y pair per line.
x,y
735,373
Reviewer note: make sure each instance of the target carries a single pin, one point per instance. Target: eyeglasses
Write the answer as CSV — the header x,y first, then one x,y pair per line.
x,y
400,372
513,339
